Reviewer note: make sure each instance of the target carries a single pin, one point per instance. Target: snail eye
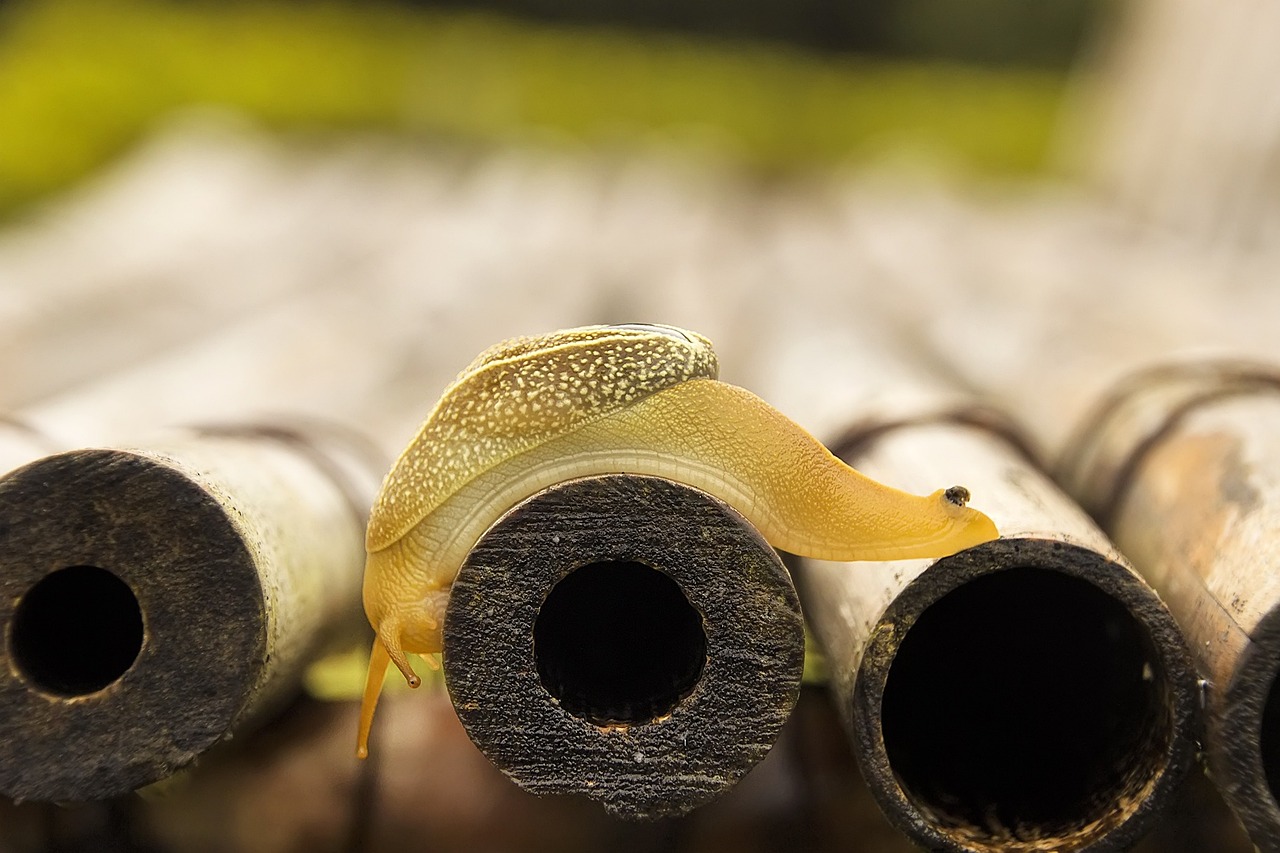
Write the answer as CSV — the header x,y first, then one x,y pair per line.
x,y
654,328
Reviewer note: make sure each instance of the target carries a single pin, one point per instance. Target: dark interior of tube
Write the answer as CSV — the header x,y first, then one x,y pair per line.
x,y
76,631
1026,704
618,643
1270,739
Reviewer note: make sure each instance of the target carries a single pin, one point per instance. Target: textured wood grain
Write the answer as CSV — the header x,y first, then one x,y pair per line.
x,y
1183,465
653,761
241,552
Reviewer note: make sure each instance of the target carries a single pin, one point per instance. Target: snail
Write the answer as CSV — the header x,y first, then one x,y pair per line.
x,y
641,399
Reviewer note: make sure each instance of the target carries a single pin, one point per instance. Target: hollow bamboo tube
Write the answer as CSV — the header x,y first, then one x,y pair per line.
x,y
155,602
625,638
1031,693
1181,464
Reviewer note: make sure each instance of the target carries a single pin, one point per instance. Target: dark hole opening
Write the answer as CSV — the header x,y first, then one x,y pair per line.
x,y
1270,739
618,642
1024,703
76,631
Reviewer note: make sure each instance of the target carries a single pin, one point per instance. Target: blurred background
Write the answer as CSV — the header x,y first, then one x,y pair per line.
x,y
779,87
220,211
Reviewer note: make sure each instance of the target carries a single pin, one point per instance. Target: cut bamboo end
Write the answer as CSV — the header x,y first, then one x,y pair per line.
x,y
156,602
624,638
1028,694
1183,462
1024,706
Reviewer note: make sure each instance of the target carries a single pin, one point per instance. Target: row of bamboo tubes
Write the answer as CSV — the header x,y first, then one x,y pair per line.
x,y
808,292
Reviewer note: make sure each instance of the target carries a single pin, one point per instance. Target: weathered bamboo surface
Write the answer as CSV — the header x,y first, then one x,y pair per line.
x,y
1182,464
158,601
627,639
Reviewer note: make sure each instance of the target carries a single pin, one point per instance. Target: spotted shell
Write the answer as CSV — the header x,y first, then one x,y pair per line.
x,y
523,392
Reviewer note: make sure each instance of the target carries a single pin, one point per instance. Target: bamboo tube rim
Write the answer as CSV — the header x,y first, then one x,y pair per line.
x,y
163,728
1168,750
1046,536
665,760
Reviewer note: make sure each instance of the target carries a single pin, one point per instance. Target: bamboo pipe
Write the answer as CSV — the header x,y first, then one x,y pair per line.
x,y
627,639
1031,693
155,602
1181,463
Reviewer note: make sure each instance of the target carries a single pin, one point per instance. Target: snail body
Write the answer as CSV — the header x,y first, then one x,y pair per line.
x,y
533,412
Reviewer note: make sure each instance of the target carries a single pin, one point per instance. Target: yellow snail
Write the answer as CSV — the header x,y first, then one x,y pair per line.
x,y
639,399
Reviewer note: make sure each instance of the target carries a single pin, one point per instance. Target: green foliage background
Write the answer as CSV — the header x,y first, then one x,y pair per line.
x,y
81,81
